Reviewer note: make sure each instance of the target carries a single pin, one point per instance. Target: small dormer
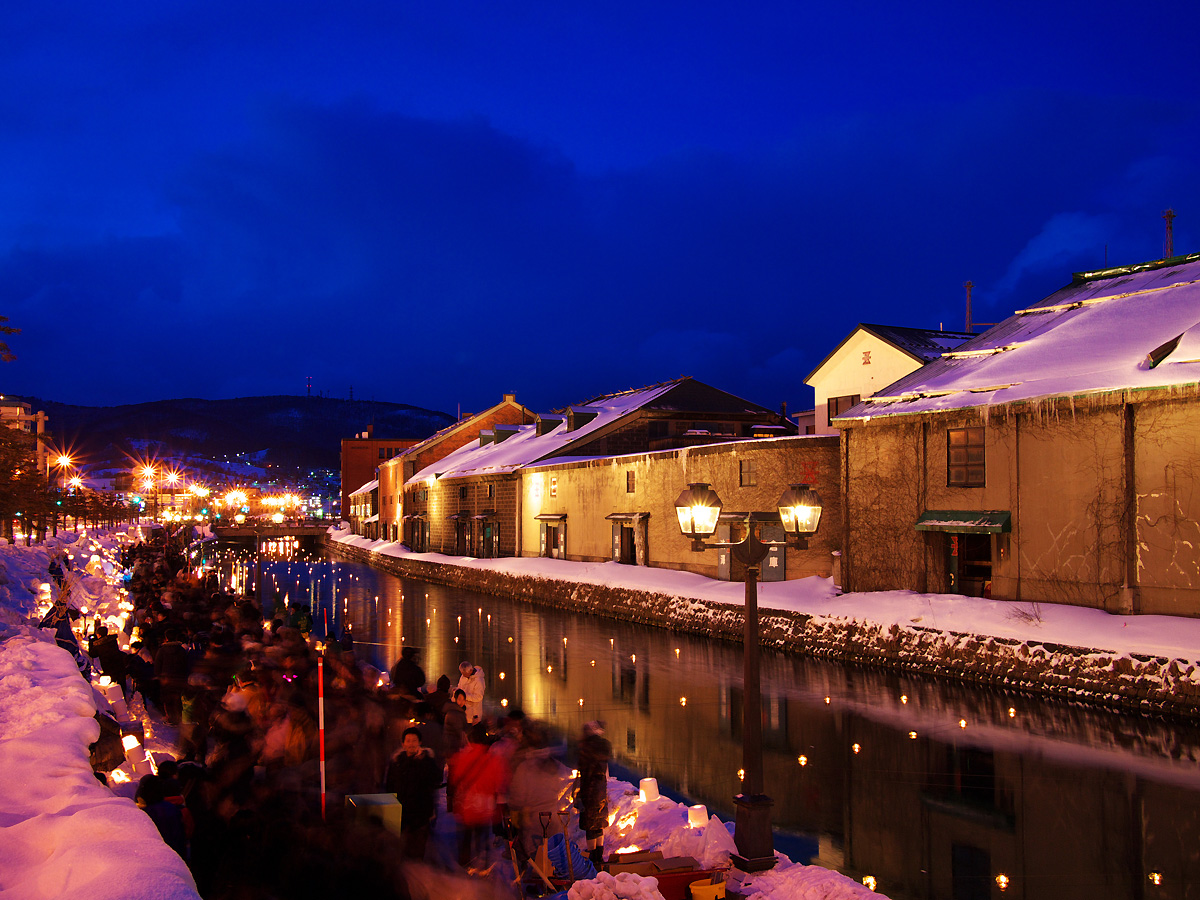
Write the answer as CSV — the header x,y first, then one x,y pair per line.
x,y
546,424
504,432
486,437
577,418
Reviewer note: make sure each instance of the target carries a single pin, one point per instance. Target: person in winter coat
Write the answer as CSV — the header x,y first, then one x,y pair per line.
x,y
60,617
167,816
105,648
540,784
414,777
592,797
472,683
171,672
439,698
407,675
475,777
454,724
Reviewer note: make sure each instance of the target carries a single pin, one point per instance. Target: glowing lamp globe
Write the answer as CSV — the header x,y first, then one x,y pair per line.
x,y
800,510
698,509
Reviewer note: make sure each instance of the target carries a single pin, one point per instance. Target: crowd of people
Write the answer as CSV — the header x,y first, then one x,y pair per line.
x,y
242,802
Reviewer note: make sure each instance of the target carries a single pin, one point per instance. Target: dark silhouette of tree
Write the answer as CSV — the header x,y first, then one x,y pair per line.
x,y
22,489
5,353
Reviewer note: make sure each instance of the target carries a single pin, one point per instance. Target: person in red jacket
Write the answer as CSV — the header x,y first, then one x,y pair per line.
x,y
475,777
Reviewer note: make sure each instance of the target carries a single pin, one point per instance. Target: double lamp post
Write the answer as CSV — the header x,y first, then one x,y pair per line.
x,y
699,509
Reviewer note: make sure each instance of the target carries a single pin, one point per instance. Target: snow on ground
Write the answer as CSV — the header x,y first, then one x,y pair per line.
x,y
62,833
1170,636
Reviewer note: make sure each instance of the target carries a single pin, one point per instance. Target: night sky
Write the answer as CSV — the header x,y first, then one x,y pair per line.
x,y
436,203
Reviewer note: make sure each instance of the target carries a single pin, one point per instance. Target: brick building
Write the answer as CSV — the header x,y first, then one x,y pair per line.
x,y
396,521
361,455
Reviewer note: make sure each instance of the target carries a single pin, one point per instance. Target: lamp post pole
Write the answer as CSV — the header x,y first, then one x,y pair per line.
x,y
752,821
699,510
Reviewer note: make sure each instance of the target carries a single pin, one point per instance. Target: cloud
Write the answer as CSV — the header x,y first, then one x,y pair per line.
x,y
1063,240
439,262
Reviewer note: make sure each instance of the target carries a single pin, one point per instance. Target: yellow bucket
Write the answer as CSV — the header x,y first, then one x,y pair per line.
x,y
702,890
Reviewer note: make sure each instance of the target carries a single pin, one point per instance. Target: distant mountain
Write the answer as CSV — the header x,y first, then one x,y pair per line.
x,y
303,432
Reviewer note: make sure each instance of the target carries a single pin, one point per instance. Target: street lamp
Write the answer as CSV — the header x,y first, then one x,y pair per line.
x,y
699,509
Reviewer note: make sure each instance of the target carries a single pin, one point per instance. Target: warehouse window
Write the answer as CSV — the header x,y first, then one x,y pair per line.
x,y
965,457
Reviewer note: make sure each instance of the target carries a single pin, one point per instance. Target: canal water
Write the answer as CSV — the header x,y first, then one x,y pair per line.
x,y
933,789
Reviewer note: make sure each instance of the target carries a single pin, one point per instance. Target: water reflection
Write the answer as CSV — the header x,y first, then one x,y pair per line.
x,y
935,790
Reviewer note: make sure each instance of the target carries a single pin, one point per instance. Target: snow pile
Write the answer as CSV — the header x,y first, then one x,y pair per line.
x,y
662,824
62,833
798,882
606,886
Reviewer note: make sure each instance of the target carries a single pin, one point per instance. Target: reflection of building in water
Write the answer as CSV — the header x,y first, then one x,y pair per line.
x,y
952,815
934,789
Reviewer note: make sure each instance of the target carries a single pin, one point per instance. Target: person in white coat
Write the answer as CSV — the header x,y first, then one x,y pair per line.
x,y
472,683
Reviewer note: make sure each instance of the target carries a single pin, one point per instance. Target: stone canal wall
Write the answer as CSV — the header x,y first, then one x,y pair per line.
x,y
1127,682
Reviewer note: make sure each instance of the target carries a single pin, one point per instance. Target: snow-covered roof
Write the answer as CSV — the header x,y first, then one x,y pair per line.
x,y
465,423
366,488
1095,335
922,344
526,446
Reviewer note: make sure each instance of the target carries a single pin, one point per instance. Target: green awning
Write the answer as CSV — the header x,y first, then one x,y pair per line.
x,y
966,521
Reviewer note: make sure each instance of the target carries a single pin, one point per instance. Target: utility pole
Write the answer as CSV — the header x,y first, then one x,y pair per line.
x,y
971,323
1169,245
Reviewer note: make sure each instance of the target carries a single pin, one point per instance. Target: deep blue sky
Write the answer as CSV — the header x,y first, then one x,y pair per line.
x,y
436,203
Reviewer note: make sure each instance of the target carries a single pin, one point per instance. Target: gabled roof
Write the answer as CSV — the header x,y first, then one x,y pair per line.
x,y
527,447
684,394
470,423
922,344
1134,327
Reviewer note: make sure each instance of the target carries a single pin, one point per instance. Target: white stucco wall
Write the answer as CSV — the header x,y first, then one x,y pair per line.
x,y
846,372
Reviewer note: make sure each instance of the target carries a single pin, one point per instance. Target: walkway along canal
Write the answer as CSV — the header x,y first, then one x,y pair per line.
x,y
936,788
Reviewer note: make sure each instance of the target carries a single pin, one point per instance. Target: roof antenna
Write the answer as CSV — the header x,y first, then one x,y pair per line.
x,y
1169,246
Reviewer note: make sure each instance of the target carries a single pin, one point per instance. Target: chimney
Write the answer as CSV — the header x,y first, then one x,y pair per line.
x,y
1169,244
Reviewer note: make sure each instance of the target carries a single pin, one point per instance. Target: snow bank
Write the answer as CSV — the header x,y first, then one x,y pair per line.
x,y
62,833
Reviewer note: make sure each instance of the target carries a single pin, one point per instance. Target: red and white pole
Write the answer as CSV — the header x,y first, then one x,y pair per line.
x,y
321,723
